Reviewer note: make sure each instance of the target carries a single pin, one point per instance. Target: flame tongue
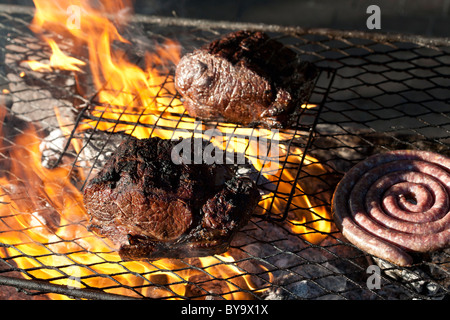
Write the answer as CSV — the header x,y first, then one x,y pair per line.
x,y
58,60
118,81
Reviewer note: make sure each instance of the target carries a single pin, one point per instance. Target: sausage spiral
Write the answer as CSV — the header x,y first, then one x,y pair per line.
x,y
394,203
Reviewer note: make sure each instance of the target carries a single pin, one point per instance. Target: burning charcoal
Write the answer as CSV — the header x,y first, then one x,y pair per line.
x,y
5,96
318,285
47,216
51,147
309,290
265,186
413,278
43,212
298,270
98,147
319,282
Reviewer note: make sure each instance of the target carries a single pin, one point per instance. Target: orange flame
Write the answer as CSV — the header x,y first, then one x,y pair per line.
x,y
58,60
119,82
35,195
46,220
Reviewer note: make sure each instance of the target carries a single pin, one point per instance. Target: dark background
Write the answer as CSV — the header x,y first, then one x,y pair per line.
x,y
425,17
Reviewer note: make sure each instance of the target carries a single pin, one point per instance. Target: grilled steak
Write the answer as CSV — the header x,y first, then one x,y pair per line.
x,y
155,208
246,78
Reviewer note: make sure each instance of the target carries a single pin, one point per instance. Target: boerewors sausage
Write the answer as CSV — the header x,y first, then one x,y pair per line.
x,y
394,203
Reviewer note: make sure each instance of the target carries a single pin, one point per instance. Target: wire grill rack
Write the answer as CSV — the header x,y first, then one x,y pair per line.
x,y
375,92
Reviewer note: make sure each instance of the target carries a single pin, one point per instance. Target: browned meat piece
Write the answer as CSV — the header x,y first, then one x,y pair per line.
x,y
155,208
246,78
395,203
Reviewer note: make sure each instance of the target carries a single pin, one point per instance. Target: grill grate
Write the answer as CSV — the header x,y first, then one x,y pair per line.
x,y
375,93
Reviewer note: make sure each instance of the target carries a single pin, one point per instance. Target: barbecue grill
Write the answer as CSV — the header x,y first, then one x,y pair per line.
x,y
375,92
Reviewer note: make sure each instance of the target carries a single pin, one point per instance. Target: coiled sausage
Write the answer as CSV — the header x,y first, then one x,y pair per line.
x,y
394,203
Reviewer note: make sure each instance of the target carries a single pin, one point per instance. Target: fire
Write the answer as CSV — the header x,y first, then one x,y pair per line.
x,y
45,212
119,82
58,60
47,221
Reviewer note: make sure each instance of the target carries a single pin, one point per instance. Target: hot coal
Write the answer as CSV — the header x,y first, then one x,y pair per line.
x,y
155,208
246,78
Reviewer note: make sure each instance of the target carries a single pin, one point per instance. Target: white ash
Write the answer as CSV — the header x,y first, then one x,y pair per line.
x,y
97,147
265,186
413,278
51,148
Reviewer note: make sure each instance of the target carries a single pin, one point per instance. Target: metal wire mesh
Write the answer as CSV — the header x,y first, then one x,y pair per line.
x,y
374,94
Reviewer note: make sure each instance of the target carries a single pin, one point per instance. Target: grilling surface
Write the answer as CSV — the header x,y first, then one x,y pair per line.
x,y
385,95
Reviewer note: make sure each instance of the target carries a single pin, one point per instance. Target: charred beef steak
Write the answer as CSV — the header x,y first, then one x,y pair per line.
x,y
154,208
246,78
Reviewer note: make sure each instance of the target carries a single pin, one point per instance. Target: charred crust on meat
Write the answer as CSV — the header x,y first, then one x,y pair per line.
x,y
244,77
153,208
